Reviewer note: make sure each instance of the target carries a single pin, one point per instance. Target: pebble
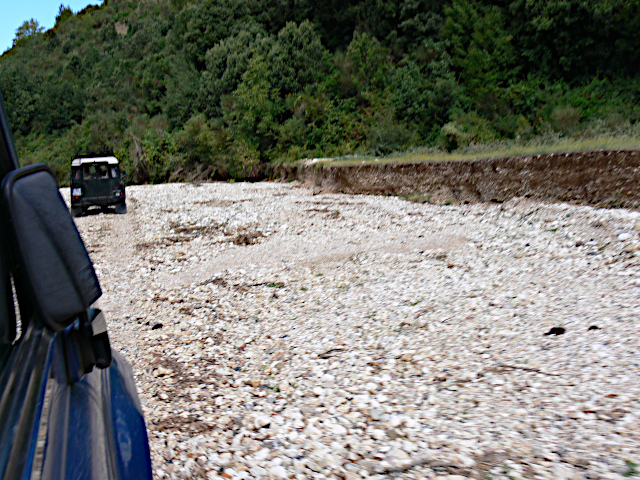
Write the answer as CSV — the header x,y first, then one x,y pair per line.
x,y
394,331
339,430
398,454
261,421
278,472
311,465
257,471
376,413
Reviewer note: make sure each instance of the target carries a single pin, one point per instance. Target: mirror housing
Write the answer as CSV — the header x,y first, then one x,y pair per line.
x,y
51,266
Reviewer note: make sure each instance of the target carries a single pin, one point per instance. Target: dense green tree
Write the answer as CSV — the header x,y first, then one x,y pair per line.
x,y
482,52
424,95
572,39
64,13
227,61
152,77
252,111
420,22
28,29
369,61
200,25
182,91
298,57
23,93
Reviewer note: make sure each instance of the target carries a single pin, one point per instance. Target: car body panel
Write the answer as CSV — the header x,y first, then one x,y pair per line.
x,y
105,410
91,429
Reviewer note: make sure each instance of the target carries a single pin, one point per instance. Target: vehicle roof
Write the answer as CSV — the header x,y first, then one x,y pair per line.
x,y
82,161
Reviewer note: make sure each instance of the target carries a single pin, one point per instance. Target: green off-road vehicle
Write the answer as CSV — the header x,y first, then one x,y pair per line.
x,y
96,181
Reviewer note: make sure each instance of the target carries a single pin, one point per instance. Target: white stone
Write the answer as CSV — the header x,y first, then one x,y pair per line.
x,y
278,472
395,421
338,429
398,454
261,421
257,471
262,454
372,387
376,413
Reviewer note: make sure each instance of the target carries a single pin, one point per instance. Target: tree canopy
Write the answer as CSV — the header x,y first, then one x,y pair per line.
x,y
219,88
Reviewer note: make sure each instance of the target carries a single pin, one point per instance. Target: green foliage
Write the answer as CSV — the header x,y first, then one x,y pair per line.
x,y
227,61
200,25
252,111
452,137
369,60
204,148
476,128
632,469
149,152
22,92
64,12
425,94
483,53
577,39
297,56
386,135
183,89
564,119
28,29
152,80
420,23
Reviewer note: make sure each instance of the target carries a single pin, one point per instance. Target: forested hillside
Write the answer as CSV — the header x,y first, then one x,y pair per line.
x,y
219,88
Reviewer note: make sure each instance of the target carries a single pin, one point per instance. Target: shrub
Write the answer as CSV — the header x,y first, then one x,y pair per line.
x,y
452,137
386,135
64,12
565,118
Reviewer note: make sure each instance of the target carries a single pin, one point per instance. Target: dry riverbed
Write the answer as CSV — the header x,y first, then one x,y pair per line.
x,y
275,333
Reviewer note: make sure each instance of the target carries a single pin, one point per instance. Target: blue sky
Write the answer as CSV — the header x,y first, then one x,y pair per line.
x,y
15,12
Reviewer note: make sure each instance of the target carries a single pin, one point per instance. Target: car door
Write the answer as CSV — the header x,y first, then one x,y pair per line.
x,y
68,403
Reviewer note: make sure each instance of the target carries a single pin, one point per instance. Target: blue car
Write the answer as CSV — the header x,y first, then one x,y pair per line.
x,y
68,403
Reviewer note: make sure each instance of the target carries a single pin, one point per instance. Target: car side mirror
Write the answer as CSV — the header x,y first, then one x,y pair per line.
x,y
50,264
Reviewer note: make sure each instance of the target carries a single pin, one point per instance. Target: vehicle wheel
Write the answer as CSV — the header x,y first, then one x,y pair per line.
x,y
121,208
76,211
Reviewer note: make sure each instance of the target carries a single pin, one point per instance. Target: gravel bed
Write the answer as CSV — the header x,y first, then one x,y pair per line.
x,y
278,333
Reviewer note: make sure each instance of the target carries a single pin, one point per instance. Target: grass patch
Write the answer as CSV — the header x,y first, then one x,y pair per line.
x,y
418,197
632,469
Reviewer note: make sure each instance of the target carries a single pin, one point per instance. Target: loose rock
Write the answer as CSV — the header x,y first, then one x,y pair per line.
x,y
393,335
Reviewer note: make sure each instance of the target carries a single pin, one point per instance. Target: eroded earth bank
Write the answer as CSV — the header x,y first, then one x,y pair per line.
x,y
275,333
603,178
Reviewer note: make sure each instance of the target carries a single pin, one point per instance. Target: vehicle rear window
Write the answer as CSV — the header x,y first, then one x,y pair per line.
x,y
95,171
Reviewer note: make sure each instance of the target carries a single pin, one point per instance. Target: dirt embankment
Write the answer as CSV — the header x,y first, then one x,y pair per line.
x,y
601,178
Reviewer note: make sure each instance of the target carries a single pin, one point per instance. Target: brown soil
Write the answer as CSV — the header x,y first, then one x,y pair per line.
x,y
601,178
